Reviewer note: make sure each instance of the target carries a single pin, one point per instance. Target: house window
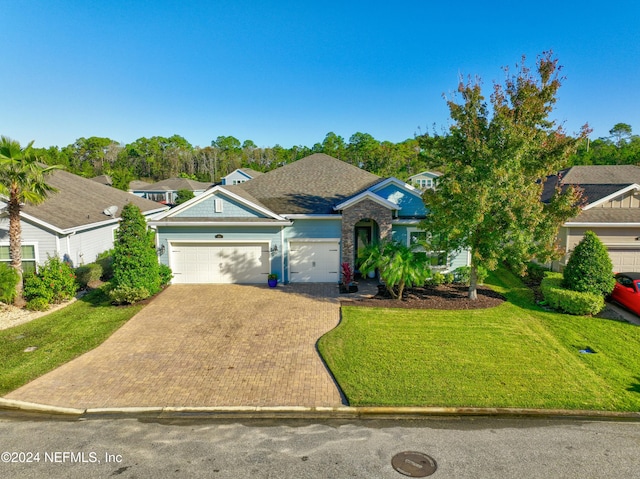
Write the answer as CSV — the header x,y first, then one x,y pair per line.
x,y
28,257
237,182
435,259
425,183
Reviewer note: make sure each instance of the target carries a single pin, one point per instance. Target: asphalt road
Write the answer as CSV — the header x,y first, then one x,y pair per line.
x,y
463,447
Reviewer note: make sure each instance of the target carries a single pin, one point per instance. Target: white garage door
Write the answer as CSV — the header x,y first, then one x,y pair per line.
x,y
220,262
314,261
625,260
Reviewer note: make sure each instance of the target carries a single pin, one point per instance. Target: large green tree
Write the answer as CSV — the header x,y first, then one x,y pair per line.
x,y
494,161
22,180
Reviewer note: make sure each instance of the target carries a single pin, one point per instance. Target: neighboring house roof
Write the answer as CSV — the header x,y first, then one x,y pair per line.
x,y
103,180
599,184
601,174
428,172
135,185
311,185
252,173
81,202
173,184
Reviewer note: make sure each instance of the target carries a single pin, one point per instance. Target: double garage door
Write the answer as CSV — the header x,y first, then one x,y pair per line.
x,y
220,262
309,262
625,260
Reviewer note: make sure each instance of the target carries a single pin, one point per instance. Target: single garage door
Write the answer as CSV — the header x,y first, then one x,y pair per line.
x,y
625,260
219,262
314,261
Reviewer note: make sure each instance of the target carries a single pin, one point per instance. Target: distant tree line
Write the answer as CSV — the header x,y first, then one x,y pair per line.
x,y
158,158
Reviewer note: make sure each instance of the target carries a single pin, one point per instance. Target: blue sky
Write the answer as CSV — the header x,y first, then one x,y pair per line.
x,y
289,72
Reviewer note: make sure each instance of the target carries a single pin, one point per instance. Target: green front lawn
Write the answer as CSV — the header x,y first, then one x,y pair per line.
x,y
514,355
59,337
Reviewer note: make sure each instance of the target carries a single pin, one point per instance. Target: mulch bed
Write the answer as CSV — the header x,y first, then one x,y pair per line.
x,y
433,297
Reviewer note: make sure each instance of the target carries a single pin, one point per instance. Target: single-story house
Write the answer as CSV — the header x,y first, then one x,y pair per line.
x,y
425,180
239,176
611,210
299,221
77,223
165,191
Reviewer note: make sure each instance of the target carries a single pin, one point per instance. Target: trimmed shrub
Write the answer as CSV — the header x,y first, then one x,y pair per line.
x,y
105,260
589,269
124,294
135,263
463,274
437,278
88,274
9,278
449,278
535,273
165,274
55,282
37,304
568,301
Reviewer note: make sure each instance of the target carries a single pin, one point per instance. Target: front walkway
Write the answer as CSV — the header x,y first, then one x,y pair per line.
x,y
206,345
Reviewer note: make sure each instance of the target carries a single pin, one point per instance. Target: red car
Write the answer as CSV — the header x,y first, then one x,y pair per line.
x,y
626,292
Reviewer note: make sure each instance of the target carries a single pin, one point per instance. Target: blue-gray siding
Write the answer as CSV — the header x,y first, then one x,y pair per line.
x,y
230,209
410,205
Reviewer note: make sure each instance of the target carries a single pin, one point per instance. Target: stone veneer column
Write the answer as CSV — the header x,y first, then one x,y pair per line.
x,y
365,209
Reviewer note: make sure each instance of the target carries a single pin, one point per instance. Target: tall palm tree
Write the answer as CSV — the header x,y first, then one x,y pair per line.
x,y
22,180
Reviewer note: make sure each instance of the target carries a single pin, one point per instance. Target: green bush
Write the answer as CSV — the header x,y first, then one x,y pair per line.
x,y
535,272
437,278
165,274
9,278
105,260
55,282
135,262
463,274
589,269
87,274
124,294
37,304
568,301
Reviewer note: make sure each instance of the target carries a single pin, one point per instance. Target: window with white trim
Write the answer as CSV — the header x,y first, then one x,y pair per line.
x,y
435,259
28,257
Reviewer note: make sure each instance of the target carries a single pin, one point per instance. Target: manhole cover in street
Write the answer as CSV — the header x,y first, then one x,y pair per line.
x,y
414,464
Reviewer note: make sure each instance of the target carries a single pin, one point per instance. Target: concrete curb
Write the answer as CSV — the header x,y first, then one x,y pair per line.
x,y
302,412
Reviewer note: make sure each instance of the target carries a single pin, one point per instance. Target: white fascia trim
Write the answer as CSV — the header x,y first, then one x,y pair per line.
x,y
601,225
612,196
224,191
218,240
220,223
313,240
427,172
405,222
366,195
300,216
405,186
77,229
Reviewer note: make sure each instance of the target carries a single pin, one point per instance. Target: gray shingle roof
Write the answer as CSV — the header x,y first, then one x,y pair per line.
x,y
608,215
174,184
251,172
81,201
311,185
602,174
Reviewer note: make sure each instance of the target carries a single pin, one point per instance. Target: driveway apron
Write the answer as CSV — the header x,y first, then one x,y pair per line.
x,y
206,345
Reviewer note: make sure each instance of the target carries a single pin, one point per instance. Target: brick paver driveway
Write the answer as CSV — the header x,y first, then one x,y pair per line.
x,y
206,345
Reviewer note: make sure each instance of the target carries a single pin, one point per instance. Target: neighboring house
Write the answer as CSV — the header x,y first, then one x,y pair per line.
x,y
103,180
425,180
165,191
77,223
300,221
612,211
240,176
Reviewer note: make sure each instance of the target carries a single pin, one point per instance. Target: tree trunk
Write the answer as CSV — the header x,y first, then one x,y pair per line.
x,y
473,282
15,246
